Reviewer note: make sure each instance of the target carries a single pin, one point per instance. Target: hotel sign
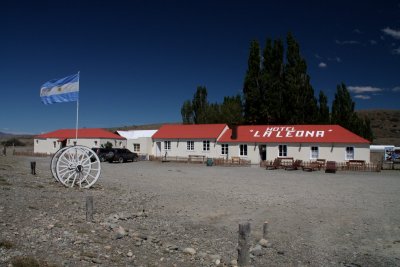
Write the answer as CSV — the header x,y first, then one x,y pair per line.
x,y
287,132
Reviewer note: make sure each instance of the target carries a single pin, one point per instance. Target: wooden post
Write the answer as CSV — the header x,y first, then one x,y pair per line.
x,y
265,230
33,167
89,208
244,245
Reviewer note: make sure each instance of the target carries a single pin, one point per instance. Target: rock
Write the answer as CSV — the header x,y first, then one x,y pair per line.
x,y
257,251
120,233
263,242
233,263
190,251
129,254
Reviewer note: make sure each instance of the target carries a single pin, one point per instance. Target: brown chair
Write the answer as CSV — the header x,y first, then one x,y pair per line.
x,y
295,165
330,167
275,165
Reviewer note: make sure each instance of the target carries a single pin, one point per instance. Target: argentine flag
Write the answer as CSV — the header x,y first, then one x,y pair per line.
x,y
60,90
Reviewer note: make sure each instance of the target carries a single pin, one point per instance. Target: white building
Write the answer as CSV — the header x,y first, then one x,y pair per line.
x,y
139,141
261,142
198,140
51,142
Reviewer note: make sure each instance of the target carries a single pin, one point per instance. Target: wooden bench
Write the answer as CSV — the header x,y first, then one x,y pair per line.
x,y
286,161
330,167
197,158
355,164
312,166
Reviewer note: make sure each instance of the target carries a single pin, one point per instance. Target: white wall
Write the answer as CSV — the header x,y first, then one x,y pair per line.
x,y
146,145
179,148
52,145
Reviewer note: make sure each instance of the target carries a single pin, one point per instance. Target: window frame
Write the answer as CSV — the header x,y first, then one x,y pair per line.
x,y
311,152
136,147
167,145
224,149
282,151
206,145
243,150
190,145
347,153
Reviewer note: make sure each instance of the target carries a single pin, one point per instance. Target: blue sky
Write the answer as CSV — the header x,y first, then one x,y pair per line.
x,y
139,60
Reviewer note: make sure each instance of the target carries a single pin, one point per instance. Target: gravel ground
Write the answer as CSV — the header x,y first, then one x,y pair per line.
x,y
177,214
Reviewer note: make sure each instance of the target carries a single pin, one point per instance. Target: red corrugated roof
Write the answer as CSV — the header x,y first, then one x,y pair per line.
x,y
82,133
189,131
292,134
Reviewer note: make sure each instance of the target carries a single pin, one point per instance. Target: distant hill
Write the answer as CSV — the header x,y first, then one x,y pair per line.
x,y
385,125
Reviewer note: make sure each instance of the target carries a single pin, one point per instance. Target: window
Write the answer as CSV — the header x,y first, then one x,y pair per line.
x,y
74,143
282,150
190,145
95,143
167,145
206,145
37,141
224,149
314,152
54,144
243,150
349,153
136,147
120,144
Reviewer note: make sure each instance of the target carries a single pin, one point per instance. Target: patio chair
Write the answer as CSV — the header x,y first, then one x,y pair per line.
x,y
295,165
275,165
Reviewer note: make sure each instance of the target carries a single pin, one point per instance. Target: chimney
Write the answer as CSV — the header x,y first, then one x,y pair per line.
x,y
234,132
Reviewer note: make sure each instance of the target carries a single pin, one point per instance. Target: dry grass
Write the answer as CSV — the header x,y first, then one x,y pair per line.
x,y
6,244
4,182
29,261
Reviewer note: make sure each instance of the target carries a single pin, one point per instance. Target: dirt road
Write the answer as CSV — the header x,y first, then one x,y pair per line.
x,y
176,214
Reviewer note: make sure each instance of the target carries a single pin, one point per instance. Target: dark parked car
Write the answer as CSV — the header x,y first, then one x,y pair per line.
x,y
121,155
101,152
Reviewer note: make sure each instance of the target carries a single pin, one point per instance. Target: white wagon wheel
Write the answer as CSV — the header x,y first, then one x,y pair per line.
x,y
53,164
78,165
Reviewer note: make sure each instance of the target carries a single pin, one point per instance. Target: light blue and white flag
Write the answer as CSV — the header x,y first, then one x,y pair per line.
x,y
60,90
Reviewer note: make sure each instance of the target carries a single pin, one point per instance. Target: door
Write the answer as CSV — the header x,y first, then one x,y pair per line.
x,y
263,152
158,149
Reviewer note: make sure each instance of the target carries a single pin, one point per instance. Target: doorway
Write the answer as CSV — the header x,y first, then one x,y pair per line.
x,y
263,152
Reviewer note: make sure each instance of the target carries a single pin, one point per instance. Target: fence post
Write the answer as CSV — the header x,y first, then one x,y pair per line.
x,y
265,230
244,245
33,167
89,208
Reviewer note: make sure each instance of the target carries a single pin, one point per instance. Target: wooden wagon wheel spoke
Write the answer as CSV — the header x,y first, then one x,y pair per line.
x,y
53,163
78,165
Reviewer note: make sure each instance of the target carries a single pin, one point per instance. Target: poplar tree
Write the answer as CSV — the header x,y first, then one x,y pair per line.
x,y
323,109
199,105
300,102
343,114
272,78
251,87
187,112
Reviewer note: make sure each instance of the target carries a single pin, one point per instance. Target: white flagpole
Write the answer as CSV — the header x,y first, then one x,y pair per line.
x,y
77,112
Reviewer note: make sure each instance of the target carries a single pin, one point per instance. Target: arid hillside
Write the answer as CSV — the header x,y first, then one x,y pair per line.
x,y
385,125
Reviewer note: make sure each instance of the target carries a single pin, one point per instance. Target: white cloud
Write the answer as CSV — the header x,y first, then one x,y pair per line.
x,y
364,89
348,42
394,33
364,97
322,65
396,51
396,89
